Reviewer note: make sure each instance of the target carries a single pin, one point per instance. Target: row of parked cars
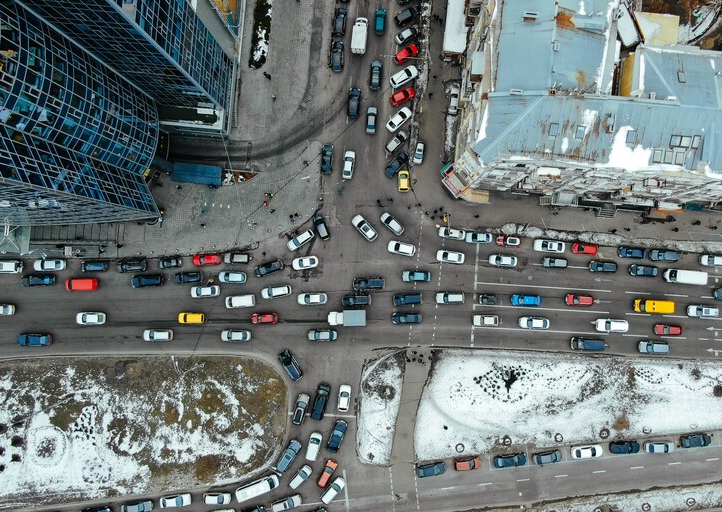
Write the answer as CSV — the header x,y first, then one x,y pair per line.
x,y
542,458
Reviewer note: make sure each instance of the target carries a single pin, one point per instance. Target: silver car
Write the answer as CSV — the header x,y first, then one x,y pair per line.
x,y
232,277
274,292
201,292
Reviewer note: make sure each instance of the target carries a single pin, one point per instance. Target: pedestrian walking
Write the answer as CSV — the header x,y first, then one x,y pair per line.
x,y
272,210
203,225
431,94
178,187
273,97
434,78
266,75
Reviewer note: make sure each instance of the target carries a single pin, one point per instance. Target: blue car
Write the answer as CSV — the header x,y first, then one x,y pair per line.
x,y
35,340
288,456
632,252
509,461
415,276
519,299
38,280
339,431
433,469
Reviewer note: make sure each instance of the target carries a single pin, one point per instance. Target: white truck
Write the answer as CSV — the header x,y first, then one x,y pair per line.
x,y
677,275
359,35
348,318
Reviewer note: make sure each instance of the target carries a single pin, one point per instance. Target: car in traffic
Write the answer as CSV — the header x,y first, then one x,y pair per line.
x,y
322,335
202,292
406,35
659,447
477,237
349,162
507,241
400,97
269,268
35,339
431,469
264,318
664,255
175,501
274,292
453,257
549,246
643,271
407,299
396,164
357,300
510,460
335,56
623,447
90,318
695,440
7,309
132,266
602,266
415,276
406,318
398,119
289,363
502,260
404,76
587,249
235,335
533,322
372,114
631,252
380,22
653,347
200,260
451,233
575,299
418,158
401,248
337,435
49,265
667,330
31,280
702,311
147,280
158,335
328,469
363,227
406,53
590,451
300,240
299,413
611,325
188,277
552,262
232,277
327,159
312,298
547,457
288,456
391,223
344,397
170,262
354,103
521,299
404,181
319,222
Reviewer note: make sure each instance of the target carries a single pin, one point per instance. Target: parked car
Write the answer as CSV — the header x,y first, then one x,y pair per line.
x,y
415,276
453,257
328,469
147,281
406,53
407,299
502,260
454,91
406,318
290,364
335,56
288,456
217,498
38,280
336,487
300,240
314,446
364,228
667,330
398,119
236,258
707,260
432,469
418,158
590,451
368,283
631,252
507,241
200,260
400,97
300,476
170,262
487,299
49,265
397,141
520,299
623,447
232,277
695,440
132,266
403,77
339,22
533,322
269,268
404,181
477,237
312,298
406,35
188,277
643,271
200,292
175,501
371,117
549,246
653,347
354,103
588,249
299,413
401,248
467,463
139,506
575,299
451,233
406,16
327,159
659,447
322,335
391,223
344,397
396,164
602,266
663,255
304,263
319,223
349,162
548,457
337,435
94,266
610,325
510,460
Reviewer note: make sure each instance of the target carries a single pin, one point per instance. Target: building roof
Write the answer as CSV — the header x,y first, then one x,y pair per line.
x,y
455,28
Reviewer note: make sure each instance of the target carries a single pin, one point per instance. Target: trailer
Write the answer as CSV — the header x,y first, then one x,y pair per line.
x,y
348,318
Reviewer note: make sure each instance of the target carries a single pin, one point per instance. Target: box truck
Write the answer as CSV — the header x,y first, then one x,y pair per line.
x,y
358,36
677,275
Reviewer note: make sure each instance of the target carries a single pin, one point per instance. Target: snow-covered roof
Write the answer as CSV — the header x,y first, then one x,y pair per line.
x,y
455,28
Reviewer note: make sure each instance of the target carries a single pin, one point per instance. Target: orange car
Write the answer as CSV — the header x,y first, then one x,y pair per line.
x,y
467,464
328,470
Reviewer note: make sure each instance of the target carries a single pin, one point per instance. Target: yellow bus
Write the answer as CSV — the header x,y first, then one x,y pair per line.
x,y
662,307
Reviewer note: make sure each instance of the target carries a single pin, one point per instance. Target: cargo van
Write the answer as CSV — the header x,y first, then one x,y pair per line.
x,y
240,301
581,343
191,318
11,266
257,488
82,284
676,275
359,35
662,307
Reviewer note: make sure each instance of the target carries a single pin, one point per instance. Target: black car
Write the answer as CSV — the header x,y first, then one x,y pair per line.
x,y
375,77
290,365
339,21
487,299
643,271
404,299
320,401
694,440
38,280
354,103
269,268
663,255
94,266
406,318
405,16
320,224
339,431
327,158
132,266
188,277
361,284
717,293
170,262
631,252
335,56
623,447
396,164
350,301
97,509
509,461
602,266
147,280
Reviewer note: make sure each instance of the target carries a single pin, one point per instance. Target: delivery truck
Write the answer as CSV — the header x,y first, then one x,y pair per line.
x,y
677,275
359,35
348,318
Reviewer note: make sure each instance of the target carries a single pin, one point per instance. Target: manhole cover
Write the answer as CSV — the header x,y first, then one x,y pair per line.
x,y
604,433
646,507
647,430
459,448
690,501
506,441
558,437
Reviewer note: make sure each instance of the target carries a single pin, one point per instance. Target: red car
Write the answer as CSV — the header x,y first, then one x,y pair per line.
x,y
667,330
264,318
572,299
406,53
402,96
200,260
588,249
467,464
508,241
328,470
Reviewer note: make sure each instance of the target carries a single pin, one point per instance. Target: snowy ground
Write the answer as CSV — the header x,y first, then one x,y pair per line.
x,y
380,398
71,430
474,399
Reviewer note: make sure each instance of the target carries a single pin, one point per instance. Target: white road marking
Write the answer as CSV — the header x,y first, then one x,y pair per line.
x,y
345,490
488,483
638,293
636,335
599,471
636,467
565,288
638,314
476,273
393,495
679,295
560,476
334,415
712,459
569,309
673,463
523,480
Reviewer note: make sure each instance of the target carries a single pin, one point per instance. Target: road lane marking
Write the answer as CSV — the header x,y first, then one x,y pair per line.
x,y
712,459
635,335
560,476
523,480
489,483
673,463
679,295
569,309
636,467
345,490
639,293
599,471
447,488
393,494
564,288
637,314
476,273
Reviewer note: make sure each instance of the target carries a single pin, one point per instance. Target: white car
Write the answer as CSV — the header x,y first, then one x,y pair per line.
x,y
7,309
274,292
590,451
390,222
314,446
364,228
177,501
349,162
454,257
312,298
451,233
287,503
454,99
402,248
708,260
344,397
702,311
549,246
158,334
418,158
502,260
233,335
90,318
450,298
533,322
398,119
404,76
234,277
304,263
476,237
50,265
300,477
217,498
397,141
336,487
201,292
659,447
299,241
611,325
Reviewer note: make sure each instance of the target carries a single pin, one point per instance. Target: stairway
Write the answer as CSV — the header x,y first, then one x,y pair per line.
x,y
607,211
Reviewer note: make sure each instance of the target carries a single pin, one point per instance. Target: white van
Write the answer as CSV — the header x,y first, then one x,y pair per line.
x,y
255,489
359,35
240,301
676,275
11,266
